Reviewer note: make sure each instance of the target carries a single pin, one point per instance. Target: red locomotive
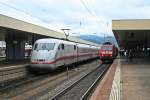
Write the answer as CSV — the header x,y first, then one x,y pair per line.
x,y
108,52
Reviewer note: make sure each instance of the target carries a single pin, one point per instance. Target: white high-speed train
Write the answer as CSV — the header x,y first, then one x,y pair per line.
x,y
53,53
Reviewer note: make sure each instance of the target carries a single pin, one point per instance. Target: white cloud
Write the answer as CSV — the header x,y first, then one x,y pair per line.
x,y
57,14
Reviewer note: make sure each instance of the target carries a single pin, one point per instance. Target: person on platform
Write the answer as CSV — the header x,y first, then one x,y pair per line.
x,y
130,56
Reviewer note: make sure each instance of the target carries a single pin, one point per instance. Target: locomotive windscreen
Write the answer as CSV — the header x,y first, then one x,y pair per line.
x,y
44,46
106,48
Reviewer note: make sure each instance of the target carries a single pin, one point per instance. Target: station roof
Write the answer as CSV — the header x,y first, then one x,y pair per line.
x,y
132,33
12,23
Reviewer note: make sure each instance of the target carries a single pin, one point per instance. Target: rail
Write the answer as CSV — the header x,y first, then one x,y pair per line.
x,y
12,72
79,90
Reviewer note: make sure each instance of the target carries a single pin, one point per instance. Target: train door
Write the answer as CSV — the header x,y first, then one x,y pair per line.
x,y
60,55
67,54
63,53
75,53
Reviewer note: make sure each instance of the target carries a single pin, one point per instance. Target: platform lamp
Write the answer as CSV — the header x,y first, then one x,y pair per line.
x,y
66,32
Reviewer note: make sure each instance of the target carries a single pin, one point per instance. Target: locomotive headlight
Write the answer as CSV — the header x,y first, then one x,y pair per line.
x,y
110,52
103,53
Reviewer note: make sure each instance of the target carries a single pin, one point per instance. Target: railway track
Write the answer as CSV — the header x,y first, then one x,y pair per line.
x,y
11,73
81,89
18,82
35,87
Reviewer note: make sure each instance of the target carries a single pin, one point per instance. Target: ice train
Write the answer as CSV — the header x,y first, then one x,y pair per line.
x,y
52,53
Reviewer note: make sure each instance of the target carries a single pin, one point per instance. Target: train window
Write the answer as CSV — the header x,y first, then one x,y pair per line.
x,y
44,46
62,46
74,47
59,47
35,46
106,48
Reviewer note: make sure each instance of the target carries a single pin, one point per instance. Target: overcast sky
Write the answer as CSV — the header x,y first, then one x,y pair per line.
x,y
81,16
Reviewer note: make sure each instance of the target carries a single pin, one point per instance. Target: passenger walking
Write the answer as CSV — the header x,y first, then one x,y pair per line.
x,y
130,55
126,55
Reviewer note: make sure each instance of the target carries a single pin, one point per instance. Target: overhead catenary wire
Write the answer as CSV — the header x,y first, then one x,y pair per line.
x,y
92,13
20,10
86,7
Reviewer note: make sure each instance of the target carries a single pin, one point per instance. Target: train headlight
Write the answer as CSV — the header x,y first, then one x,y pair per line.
x,y
103,53
109,52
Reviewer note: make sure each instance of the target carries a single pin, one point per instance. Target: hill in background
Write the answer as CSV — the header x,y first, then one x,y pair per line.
x,y
98,39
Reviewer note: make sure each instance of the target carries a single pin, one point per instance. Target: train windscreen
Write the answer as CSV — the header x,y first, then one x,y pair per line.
x,y
44,46
106,48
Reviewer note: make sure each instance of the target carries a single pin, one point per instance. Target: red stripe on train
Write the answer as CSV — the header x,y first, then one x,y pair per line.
x,y
61,58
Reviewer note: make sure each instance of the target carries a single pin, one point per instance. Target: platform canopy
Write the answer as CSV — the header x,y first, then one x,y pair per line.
x,y
132,33
18,26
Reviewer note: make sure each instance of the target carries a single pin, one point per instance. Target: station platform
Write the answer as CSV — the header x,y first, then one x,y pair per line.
x,y
125,81
7,63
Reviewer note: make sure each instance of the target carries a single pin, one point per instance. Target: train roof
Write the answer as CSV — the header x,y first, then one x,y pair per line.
x,y
50,40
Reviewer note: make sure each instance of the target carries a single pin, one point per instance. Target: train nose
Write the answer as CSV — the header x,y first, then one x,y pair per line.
x,y
42,56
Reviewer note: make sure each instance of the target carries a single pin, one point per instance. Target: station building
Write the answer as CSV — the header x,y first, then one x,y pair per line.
x,y
16,33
